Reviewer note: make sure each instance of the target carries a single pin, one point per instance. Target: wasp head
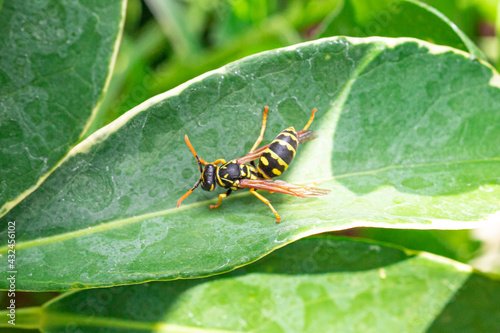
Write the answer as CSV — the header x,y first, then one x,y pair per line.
x,y
208,177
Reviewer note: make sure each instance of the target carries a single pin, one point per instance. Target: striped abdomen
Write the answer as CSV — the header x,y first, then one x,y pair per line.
x,y
278,156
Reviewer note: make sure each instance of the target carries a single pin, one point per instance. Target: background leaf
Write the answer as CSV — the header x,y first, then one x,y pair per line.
x,y
314,285
56,61
403,18
453,244
408,136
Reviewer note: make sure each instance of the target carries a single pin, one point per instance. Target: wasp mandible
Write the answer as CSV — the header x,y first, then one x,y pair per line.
x,y
274,159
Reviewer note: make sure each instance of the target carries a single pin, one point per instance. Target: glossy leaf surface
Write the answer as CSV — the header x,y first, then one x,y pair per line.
x,y
56,60
408,138
313,285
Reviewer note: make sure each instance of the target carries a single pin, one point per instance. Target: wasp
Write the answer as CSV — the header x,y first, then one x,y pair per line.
x,y
274,159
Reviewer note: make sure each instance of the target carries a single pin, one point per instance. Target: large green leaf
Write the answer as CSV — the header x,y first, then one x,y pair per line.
x,y
400,18
314,285
408,138
55,64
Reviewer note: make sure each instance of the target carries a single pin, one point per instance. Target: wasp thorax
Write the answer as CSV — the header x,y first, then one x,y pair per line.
x,y
208,177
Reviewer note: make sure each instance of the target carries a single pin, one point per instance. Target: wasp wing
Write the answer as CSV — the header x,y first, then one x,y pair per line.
x,y
280,186
306,136
303,136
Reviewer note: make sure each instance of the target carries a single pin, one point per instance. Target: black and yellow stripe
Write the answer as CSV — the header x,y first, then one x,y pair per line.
x,y
229,174
278,156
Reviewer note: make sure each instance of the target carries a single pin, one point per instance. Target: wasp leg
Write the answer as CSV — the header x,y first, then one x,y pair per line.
x,y
262,130
264,200
221,196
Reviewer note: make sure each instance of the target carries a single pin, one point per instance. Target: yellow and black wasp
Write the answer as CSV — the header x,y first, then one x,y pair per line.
x,y
274,159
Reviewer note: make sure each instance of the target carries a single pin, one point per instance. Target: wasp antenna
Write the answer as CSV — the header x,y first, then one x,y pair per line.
x,y
199,160
188,193
310,120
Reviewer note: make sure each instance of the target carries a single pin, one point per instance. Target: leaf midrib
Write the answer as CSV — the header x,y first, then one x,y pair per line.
x,y
121,222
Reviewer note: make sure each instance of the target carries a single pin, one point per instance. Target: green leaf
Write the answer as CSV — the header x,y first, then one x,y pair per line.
x,y
408,138
453,244
398,18
56,61
314,285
